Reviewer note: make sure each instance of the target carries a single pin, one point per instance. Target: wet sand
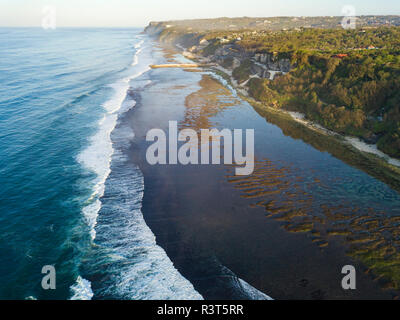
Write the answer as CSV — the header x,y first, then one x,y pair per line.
x,y
268,229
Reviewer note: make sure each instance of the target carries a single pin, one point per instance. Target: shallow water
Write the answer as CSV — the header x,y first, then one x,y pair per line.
x,y
61,95
75,106
302,208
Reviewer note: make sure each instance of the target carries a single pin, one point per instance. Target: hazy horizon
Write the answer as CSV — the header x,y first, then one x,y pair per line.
x,y
125,13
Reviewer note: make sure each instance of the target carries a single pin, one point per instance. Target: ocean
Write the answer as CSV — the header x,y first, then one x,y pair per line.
x,y
75,106
69,198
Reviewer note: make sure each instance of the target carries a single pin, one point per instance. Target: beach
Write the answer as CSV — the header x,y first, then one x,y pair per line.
x,y
283,232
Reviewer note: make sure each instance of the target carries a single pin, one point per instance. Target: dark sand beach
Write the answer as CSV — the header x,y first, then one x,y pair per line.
x,y
287,230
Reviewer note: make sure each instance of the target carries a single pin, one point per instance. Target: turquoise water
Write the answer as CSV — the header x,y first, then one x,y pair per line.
x,y
54,91
69,197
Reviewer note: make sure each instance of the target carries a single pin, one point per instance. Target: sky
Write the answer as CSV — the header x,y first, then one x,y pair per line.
x,y
138,13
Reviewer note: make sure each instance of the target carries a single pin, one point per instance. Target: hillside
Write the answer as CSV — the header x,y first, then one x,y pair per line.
x,y
345,80
273,23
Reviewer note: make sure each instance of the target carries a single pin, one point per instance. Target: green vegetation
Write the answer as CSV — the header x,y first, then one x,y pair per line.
x,y
374,166
259,90
336,81
324,40
346,80
242,73
349,82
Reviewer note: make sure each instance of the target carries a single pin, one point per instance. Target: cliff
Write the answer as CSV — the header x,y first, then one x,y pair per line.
x,y
223,52
348,81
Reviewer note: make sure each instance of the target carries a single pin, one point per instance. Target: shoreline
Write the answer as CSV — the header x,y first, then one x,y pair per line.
x,y
209,270
244,56
127,262
214,231
300,118
368,150
388,164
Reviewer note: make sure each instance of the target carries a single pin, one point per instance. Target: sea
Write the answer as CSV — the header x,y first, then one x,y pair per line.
x,y
69,198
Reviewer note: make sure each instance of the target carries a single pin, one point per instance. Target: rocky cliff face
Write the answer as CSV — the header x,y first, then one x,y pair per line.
x,y
264,65
154,28
273,63
228,54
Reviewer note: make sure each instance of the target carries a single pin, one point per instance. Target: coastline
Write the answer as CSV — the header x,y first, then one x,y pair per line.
x,y
388,168
81,194
242,56
144,116
380,165
124,262
216,233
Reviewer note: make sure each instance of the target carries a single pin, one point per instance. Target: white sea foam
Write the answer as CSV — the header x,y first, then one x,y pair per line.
x,y
81,290
138,268
135,266
139,44
135,60
224,83
252,292
91,213
97,156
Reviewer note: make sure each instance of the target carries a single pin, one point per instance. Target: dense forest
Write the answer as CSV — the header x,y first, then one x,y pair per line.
x,y
348,81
